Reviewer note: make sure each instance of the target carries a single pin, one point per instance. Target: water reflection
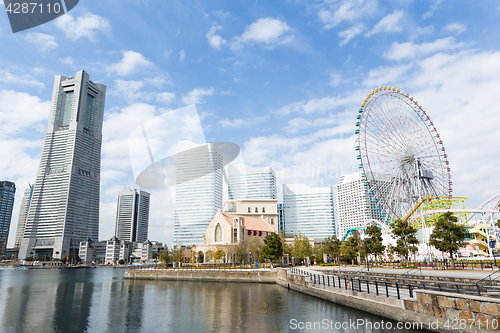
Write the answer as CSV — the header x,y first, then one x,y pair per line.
x,y
99,300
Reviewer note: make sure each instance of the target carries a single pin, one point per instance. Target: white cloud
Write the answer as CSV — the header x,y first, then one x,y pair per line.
x,y
129,90
347,10
19,111
242,123
432,9
315,105
23,80
117,126
182,56
350,33
85,26
67,61
456,28
129,64
43,41
335,78
383,75
390,23
410,50
267,31
195,96
166,55
165,97
215,41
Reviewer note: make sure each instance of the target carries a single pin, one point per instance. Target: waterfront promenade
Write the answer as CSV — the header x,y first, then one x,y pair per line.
x,y
426,272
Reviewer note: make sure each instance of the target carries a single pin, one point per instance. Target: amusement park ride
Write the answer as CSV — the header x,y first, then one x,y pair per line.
x,y
406,171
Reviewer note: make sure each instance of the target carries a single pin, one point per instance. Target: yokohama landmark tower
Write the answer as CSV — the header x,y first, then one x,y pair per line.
x,y
64,207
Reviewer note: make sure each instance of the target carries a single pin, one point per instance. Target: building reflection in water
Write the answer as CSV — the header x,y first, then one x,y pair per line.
x,y
47,301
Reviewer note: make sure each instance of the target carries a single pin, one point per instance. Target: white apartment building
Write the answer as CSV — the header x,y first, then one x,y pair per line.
x,y
355,203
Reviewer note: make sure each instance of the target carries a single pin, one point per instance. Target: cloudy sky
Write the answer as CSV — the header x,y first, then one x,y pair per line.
x,y
282,79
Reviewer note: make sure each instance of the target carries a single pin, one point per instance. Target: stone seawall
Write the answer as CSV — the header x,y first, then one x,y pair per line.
x,y
255,276
392,308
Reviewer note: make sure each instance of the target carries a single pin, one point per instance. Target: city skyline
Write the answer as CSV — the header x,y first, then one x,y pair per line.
x,y
282,81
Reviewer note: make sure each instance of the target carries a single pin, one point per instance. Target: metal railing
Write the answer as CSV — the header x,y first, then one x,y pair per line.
x,y
397,288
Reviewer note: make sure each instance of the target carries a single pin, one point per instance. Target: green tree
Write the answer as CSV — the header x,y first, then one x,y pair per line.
x,y
194,254
254,247
448,236
219,253
177,253
301,247
350,247
406,239
165,257
209,255
332,248
373,240
287,248
121,261
273,250
240,252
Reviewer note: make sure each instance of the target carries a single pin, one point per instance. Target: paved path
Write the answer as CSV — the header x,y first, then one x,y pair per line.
x,y
466,274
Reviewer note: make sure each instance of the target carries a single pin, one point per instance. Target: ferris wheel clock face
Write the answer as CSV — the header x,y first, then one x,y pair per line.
x,y
400,152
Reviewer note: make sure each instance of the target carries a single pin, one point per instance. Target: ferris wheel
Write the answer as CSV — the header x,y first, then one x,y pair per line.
x,y
400,152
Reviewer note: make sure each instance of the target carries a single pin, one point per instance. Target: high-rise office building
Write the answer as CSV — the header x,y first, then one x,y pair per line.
x,y
64,209
7,195
246,182
23,213
354,202
198,192
308,211
132,216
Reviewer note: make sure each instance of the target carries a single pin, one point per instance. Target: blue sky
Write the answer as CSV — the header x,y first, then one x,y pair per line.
x,y
282,79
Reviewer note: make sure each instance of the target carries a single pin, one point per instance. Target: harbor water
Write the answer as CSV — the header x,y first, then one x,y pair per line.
x,y
100,300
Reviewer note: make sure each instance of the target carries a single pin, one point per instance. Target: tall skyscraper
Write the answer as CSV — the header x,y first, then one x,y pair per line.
x,y
64,209
198,192
7,195
132,216
246,182
354,202
308,211
23,213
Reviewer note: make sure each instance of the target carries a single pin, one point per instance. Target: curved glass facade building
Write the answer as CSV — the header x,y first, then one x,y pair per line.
x,y
198,192
246,182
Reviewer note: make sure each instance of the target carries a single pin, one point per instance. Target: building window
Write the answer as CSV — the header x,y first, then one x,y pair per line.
x,y
218,233
263,209
256,209
272,221
249,210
